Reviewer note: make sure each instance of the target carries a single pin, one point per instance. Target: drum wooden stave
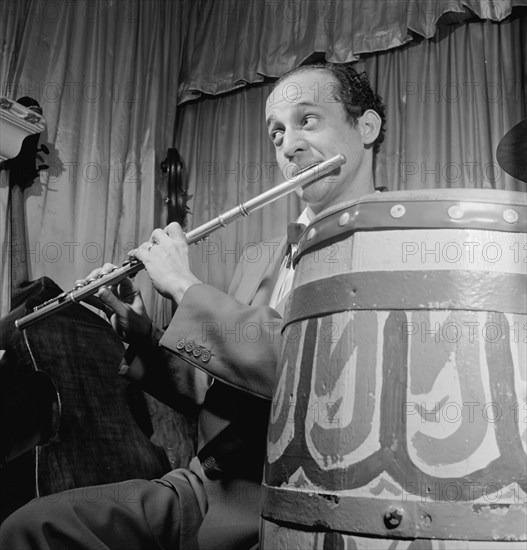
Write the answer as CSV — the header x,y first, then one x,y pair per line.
x,y
399,413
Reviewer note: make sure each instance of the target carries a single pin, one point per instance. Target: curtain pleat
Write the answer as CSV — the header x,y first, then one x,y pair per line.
x,y
235,42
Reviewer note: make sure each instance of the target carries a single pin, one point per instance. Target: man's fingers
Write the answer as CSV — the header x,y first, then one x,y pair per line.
x,y
138,253
109,298
159,236
126,290
165,236
141,251
173,230
95,274
116,326
96,302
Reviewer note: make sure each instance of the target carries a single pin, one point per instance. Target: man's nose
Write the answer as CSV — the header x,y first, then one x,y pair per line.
x,y
293,143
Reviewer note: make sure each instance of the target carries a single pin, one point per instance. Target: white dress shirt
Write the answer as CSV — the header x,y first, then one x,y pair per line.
x,y
284,283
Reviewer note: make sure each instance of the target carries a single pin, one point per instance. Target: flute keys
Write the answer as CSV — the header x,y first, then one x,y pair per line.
x,y
51,301
81,283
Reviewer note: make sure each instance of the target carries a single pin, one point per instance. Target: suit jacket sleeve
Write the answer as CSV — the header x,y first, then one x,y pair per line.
x,y
219,334
233,342
160,373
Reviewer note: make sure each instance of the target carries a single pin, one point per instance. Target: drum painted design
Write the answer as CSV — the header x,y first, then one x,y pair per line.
x,y
400,412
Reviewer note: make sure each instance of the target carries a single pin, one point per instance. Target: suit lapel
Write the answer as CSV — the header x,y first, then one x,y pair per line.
x,y
260,276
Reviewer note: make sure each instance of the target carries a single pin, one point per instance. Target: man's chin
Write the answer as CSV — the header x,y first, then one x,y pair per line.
x,y
317,194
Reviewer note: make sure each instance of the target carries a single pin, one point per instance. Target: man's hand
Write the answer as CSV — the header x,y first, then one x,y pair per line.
x,y
129,318
165,257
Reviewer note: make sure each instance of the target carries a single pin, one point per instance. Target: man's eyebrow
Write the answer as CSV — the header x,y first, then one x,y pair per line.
x,y
270,120
301,104
307,103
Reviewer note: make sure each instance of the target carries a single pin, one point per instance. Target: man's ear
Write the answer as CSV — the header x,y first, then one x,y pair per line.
x,y
369,126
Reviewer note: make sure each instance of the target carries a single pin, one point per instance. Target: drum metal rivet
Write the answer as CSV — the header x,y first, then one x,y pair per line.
x,y
426,520
455,212
397,211
311,233
511,216
344,219
393,518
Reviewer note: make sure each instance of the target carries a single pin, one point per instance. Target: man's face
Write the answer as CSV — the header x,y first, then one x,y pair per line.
x,y
306,125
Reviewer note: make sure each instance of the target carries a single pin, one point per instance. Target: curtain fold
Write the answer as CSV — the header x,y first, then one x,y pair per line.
x,y
106,76
449,101
232,43
456,96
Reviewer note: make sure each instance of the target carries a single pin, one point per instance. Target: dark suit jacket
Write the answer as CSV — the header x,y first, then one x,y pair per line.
x,y
220,353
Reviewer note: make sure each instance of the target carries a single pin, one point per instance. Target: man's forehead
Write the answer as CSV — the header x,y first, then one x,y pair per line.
x,y
310,86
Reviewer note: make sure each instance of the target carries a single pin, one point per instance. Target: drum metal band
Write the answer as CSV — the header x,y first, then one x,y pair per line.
x,y
411,290
396,518
384,211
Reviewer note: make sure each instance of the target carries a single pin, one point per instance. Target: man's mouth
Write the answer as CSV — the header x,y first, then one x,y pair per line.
x,y
292,169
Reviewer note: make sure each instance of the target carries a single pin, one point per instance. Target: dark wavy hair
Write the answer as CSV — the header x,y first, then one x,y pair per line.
x,y
354,92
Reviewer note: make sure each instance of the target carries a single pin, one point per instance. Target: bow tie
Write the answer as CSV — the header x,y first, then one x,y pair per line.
x,y
294,232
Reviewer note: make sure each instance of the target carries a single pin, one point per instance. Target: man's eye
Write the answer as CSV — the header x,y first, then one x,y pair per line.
x,y
276,135
308,120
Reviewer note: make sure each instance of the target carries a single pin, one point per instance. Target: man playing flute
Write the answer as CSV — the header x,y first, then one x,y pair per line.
x,y
214,504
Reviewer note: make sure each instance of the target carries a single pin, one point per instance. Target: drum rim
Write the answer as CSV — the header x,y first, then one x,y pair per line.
x,y
419,195
402,214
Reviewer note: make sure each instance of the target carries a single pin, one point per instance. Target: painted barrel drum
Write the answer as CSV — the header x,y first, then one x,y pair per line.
x,y
399,416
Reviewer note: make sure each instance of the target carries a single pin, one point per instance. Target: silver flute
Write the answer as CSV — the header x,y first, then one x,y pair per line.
x,y
131,267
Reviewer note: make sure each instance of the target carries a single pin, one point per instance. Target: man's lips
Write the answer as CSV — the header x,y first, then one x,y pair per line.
x,y
292,169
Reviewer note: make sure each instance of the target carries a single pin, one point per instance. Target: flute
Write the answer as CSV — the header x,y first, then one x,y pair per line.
x,y
78,294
